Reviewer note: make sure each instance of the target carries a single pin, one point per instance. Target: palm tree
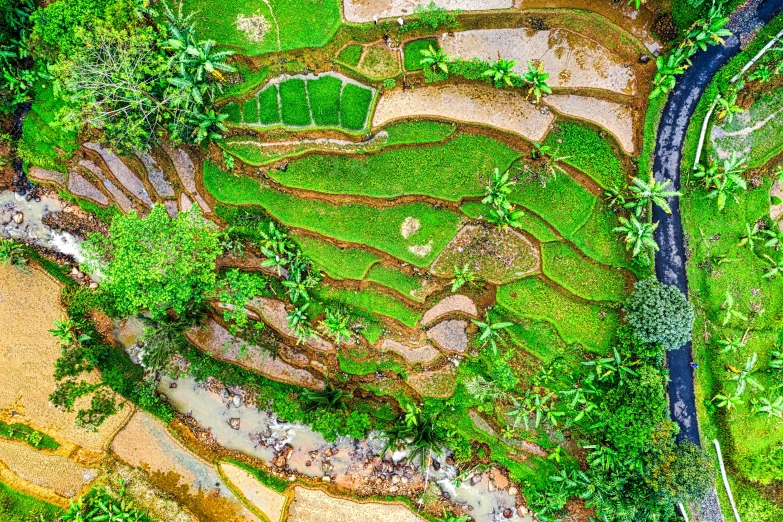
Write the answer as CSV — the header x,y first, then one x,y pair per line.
x,y
462,276
773,408
536,78
722,181
728,401
500,186
490,332
651,190
638,235
501,72
436,59
335,325
506,216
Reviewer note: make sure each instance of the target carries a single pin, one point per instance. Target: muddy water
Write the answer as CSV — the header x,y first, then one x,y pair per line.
x,y
32,228
638,22
260,434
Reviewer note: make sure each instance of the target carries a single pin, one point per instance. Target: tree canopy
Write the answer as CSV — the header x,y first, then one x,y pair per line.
x,y
156,262
659,314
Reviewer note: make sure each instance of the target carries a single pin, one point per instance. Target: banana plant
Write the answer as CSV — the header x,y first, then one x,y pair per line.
x,y
776,267
731,344
463,276
299,323
743,376
728,310
727,107
436,59
501,72
645,191
728,401
536,78
775,235
639,235
769,407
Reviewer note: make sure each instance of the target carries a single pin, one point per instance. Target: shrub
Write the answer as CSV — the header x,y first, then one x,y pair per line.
x,y
659,313
685,473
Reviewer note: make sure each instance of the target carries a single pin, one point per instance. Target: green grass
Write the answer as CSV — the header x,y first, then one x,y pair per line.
x,y
304,23
293,103
575,321
324,95
375,227
351,54
450,171
42,143
410,132
597,238
269,108
531,223
763,143
233,112
370,300
412,52
250,111
338,263
27,434
354,106
563,203
588,152
18,507
384,363
585,278
251,80
263,476
395,280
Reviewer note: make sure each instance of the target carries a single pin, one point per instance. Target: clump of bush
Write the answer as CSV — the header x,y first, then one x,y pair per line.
x,y
659,314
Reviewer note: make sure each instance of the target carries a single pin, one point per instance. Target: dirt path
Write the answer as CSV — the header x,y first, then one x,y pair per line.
x,y
268,501
310,505
29,303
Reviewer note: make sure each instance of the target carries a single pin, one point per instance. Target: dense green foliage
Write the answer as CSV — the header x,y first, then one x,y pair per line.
x,y
18,507
26,434
157,263
659,314
412,52
98,505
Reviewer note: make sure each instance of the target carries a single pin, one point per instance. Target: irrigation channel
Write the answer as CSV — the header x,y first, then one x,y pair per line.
x,y
670,260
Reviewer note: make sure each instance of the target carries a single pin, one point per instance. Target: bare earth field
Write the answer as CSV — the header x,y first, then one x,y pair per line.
x,y
313,505
368,10
29,303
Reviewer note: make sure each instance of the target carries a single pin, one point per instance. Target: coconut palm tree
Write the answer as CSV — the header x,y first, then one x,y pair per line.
x,y
501,72
651,190
535,77
436,59
638,235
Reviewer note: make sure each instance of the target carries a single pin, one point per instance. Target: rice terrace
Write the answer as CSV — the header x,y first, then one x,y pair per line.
x,y
391,260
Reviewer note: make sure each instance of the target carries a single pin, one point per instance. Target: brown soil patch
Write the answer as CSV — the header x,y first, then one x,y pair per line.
x,y
421,355
439,384
498,256
268,501
274,314
214,339
614,117
450,335
255,27
378,61
29,303
56,473
145,443
368,10
470,103
313,505
452,303
409,227
571,60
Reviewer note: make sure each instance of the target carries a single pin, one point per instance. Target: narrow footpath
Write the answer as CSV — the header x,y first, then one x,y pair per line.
x,y
670,260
